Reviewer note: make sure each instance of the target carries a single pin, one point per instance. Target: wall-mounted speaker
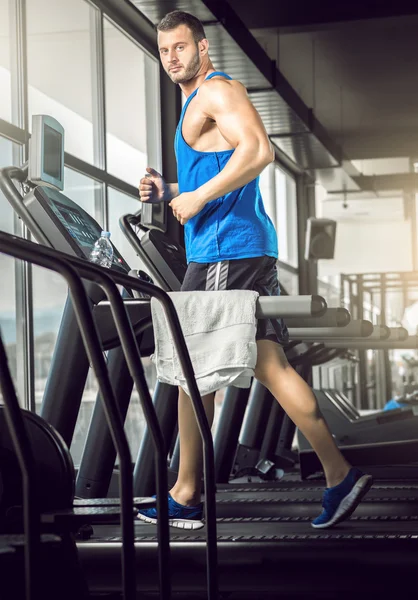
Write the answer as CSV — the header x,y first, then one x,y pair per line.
x,y
320,238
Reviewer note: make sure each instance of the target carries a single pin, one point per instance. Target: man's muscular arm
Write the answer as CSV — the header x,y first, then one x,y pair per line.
x,y
240,124
227,103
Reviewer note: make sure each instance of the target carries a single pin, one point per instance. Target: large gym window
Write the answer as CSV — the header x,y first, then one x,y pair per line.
x,y
286,211
121,204
50,289
7,271
5,63
266,183
60,80
132,107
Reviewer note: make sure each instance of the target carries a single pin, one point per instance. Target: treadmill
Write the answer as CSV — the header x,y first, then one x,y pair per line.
x,y
274,549
165,261
266,555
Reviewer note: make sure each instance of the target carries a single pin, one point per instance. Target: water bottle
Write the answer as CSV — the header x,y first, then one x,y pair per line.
x,y
102,253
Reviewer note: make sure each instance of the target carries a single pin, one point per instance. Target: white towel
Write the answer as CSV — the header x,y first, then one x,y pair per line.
x,y
219,329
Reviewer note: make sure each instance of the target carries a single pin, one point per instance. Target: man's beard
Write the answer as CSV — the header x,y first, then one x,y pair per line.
x,y
189,71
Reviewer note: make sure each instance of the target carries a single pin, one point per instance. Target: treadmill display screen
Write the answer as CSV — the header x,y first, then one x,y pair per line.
x,y
76,226
52,152
81,230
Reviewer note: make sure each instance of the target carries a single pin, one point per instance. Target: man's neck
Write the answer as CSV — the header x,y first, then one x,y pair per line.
x,y
190,86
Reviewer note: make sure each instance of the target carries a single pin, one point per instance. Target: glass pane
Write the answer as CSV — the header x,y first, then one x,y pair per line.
x,y
266,183
281,213
49,296
291,220
132,122
86,192
7,270
122,204
5,80
59,69
290,281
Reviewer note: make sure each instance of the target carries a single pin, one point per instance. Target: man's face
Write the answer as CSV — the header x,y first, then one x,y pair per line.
x,y
179,54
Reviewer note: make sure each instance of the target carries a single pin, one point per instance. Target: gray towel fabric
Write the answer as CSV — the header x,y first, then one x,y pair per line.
x,y
219,329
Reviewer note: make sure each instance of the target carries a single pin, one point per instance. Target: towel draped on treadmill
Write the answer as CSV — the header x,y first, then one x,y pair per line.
x,y
219,329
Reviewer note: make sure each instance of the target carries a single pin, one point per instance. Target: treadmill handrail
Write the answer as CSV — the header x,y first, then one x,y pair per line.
x,y
45,256
290,306
358,328
334,317
410,344
267,307
125,224
7,174
60,263
22,447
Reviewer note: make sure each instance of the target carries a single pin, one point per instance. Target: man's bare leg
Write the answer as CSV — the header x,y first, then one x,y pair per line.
x,y
299,402
296,398
186,490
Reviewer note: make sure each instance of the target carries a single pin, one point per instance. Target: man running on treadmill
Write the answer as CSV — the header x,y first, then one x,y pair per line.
x,y
221,149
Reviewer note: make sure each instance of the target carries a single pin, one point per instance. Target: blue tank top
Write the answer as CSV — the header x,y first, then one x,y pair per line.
x,y
231,227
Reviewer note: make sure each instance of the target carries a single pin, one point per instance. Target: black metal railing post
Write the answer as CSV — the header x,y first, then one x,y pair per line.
x,y
50,258
21,444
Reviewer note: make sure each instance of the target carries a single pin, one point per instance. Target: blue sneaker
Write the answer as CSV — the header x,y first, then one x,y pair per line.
x,y
183,517
340,501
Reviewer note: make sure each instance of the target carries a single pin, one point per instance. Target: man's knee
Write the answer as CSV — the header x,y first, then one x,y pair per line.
x,y
271,365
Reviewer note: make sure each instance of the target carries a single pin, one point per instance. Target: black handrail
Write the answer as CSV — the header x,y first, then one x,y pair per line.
x,y
21,444
324,357
16,200
88,271
125,223
58,262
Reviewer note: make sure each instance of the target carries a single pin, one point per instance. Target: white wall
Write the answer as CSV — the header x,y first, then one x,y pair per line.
x,y
363,248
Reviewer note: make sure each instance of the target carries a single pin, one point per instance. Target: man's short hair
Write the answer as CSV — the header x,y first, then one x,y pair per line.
x,y
178,17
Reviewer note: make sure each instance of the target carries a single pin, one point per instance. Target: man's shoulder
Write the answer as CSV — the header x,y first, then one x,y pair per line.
x,y
220,86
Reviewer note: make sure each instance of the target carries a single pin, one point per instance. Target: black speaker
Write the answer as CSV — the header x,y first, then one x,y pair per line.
x,y
320,238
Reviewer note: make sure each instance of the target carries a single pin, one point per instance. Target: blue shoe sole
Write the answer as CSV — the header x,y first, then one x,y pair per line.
x,y
349,503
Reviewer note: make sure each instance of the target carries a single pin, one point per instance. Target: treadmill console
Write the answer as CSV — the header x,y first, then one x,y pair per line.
x,y
167,257
67,226
46,152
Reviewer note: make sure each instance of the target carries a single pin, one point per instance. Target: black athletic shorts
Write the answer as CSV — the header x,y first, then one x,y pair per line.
x,y
258,274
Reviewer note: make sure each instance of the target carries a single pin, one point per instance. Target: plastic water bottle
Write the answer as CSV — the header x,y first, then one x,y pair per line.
x,y
102,253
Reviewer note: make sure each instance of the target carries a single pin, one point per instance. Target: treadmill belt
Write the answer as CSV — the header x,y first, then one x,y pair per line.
x,y
305,486
268,556
269,530
312,496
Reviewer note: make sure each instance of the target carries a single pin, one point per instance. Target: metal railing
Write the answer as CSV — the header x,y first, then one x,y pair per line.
x,y
72,269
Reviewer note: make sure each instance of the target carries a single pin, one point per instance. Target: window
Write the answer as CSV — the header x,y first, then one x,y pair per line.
x,y
266,183
59,69
132,107
7,270
286,219
86,192
5,79
289,280
281,226
415,258
49,296
291,221
122,204
64,71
